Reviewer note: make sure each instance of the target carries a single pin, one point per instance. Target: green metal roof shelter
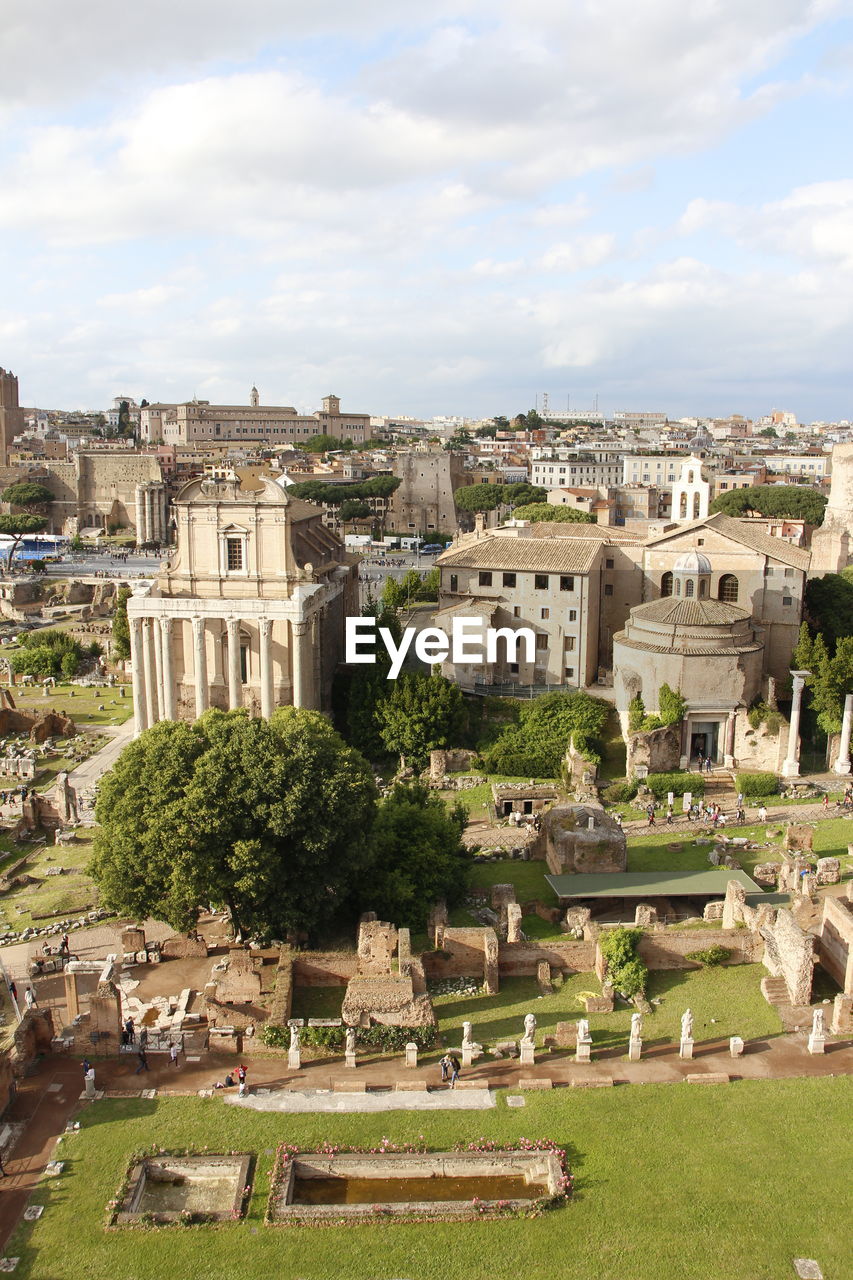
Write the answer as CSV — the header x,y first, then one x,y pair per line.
x,y
651,884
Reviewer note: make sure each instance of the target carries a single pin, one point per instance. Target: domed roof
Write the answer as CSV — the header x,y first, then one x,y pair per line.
x,y
692,562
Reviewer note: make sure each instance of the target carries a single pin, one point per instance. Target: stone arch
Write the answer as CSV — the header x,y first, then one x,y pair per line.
x,y
728,588
666,584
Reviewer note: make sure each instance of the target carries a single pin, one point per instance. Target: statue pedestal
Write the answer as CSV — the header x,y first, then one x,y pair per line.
x,y
582,1051
294,1059
467,1056
89,1083
686,1049
349,1060
735,1046
791,769
816,1043
411,1054
526,1054
635,1050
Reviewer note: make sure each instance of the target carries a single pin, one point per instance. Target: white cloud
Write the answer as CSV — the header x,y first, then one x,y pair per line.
x,y
580,253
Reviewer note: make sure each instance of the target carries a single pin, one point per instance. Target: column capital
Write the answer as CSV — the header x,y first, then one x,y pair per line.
x,y
135,623
166,625
265,627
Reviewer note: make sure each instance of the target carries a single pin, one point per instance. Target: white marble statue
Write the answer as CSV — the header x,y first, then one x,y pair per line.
x,y
636,1026
687,1025
583,1029
467,1036
529,1029
294,1039
817,1023
350,1046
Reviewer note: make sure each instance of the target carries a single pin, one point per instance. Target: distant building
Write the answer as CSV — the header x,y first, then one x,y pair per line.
x,y
11,414
198,420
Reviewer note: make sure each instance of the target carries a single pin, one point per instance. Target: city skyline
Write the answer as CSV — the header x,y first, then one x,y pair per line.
x,y
449,211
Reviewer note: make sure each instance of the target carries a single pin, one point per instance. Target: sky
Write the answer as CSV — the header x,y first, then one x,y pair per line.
x,y
430,208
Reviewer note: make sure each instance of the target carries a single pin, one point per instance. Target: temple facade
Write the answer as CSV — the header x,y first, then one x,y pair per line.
x,y
248,612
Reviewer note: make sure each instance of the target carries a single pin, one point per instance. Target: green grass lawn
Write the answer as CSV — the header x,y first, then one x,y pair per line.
x,y
672,1183
478,800
651,852
78,701
317,1002
528,878
731,996
54,897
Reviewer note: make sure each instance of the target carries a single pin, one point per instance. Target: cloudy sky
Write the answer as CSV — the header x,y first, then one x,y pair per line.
x,y
440,207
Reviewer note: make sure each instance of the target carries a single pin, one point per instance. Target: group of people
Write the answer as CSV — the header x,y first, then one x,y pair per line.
x,y
229,1081
705,763
12,797
128,1038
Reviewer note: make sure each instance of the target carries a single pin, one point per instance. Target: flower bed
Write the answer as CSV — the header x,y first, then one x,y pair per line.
x,y
182,1188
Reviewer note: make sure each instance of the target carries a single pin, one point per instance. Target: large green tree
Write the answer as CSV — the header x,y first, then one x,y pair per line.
x,y
536,512
789,501
829,607
270,818
535,745
418,855
32,501
121,627
421,713
481,497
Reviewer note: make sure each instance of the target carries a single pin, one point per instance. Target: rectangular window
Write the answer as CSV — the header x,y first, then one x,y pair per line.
x,y
234,548
541,642
787,600
573,615
513,666
567,582
789,573
545,614
454,582
569,644
485,578
540,581
608,590
570,673
608,564
516,613
509,580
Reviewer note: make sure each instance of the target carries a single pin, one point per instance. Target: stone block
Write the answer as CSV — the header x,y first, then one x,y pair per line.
x,y
527,1055
582,1052
828,870
707,1077
566,1034
535,1082
799,837
842,1015
411,1054
410,1086
349,1086
349,1061
600,1082
502,896
685,1049
735,1046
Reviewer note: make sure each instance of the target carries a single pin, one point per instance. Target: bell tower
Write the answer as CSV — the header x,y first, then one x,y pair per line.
x,y
11,415
254,398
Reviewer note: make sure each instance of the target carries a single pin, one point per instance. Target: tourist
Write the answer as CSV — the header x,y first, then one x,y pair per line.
x,y
708,765
762,813
741,816
143,1062
455,1068
13,991
445,1067
86,1066
241,1076
669,815
701,760
63,946
740,799
3,1172
826,802
173,1054
30,997
618,820
131,1035
651,812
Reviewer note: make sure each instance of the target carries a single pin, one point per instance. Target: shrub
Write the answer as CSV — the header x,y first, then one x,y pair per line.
x,y
660,784
768,716
385,1039
758,784
619,792
636,713
624,969
535,746
711,957
671,705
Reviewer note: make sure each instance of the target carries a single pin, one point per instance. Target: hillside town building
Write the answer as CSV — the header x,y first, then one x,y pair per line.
x,y
199,420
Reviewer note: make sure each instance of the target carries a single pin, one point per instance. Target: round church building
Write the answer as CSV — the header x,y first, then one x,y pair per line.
x,y
709,651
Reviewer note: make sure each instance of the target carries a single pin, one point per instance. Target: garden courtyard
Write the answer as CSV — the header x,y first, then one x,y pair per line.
x,y
670,1181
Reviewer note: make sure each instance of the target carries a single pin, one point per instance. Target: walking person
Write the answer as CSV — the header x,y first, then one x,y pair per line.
x,y
143,1062
173,1054
241,1076
30,997
762,813
445,1068
455,1068
708,765
129,1028
13,991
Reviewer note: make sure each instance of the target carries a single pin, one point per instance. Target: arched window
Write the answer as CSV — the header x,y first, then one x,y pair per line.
x,y
696,503
666,585
682,510
703,588
689,477
728,588
688,587
678,586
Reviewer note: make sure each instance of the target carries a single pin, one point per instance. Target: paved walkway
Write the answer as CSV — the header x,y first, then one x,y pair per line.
x,y
87,774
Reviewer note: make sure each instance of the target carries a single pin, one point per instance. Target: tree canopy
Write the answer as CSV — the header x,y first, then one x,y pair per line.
x,y
481,497
418,854
28,495
829,606
422,712
121,628
50,653
831,675
270,818
791,501
322,443
537,512
333,495
535,745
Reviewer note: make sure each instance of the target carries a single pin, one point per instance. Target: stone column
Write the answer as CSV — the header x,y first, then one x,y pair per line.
x,y
235,684
149,514
267,695
791,766
137,659
842,764
200,664
150,672
156,636
140,514
72,1000
299,665
729,753
168,669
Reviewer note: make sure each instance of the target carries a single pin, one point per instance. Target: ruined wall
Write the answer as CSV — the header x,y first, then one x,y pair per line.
x,y
465,953
521,960
790,954
668,950
835,942
324,968
570,846
33,1037
659,750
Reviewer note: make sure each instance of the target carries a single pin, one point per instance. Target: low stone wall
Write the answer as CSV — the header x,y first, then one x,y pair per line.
x,y
668,949
282,999
181,947
521,960
324,968
835,943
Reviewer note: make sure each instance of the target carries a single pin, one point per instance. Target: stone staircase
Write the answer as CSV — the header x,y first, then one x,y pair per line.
x,y
720,789
794,1017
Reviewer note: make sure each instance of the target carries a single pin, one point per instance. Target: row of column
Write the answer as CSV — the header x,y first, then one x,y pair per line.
x,y
153,667
151,522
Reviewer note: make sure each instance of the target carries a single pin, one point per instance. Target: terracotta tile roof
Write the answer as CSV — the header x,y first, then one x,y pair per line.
x,y
551,555
740,531
679,612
